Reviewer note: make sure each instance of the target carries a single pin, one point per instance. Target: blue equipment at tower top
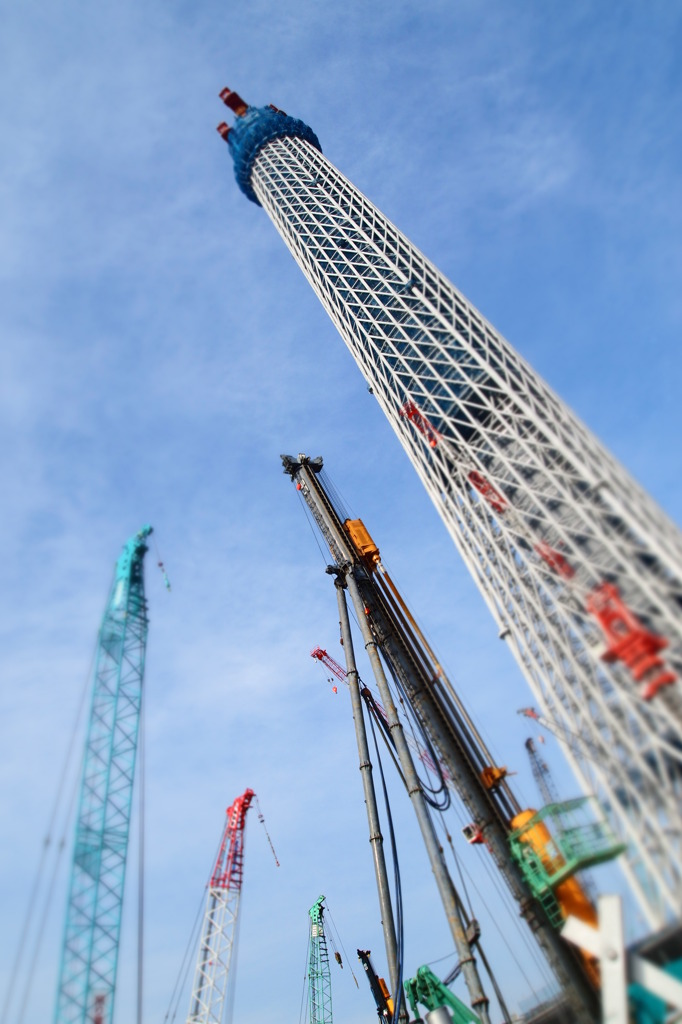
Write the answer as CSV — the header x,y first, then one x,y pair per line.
x,y
253,128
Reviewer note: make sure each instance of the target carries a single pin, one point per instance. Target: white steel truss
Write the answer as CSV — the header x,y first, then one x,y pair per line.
x,y
221,920
541,513
215,955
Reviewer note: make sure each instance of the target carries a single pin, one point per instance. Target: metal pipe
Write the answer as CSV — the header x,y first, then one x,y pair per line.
x,y
446,889
485,812
375,836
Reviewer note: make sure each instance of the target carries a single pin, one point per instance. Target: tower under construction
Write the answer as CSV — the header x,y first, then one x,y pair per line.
x,y
579,567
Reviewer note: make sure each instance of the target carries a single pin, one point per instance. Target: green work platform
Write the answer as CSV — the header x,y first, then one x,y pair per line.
x,y
560,840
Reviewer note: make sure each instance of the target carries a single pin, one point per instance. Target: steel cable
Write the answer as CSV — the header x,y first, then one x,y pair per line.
x,y
181,977
140,862
47,847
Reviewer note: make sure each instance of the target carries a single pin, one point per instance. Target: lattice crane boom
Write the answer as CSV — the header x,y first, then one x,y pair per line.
x,y
319,654
541,774
319,975
220,919
89,958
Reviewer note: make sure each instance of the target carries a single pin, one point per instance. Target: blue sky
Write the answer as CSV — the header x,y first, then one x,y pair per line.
x,y
160,349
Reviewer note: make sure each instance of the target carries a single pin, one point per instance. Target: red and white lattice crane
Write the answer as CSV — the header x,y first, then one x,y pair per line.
x,y
319,654
220,919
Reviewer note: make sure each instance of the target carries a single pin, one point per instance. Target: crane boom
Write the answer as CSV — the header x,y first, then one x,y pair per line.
x,y
319,654
220,919
382,997
87,975
541,774
319,975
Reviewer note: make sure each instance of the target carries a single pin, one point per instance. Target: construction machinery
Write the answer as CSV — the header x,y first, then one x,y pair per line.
x,y
541,773
382,996
499,822
429,991
319,975
89,958
221,917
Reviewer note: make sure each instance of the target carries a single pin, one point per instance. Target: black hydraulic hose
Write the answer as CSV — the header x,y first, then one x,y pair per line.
x,y
430,793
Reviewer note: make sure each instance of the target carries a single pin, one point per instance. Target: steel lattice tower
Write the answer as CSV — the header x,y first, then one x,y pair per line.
x,y
580,568
221,918
319,975
87,977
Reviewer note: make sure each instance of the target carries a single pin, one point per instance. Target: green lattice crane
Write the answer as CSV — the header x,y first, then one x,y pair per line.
x,y
87,974
319,975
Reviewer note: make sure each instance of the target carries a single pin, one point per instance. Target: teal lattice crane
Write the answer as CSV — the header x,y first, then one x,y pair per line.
x,y
87,975
319,975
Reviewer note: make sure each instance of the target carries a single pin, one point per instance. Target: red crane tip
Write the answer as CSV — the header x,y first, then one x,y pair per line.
x,y
223,130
